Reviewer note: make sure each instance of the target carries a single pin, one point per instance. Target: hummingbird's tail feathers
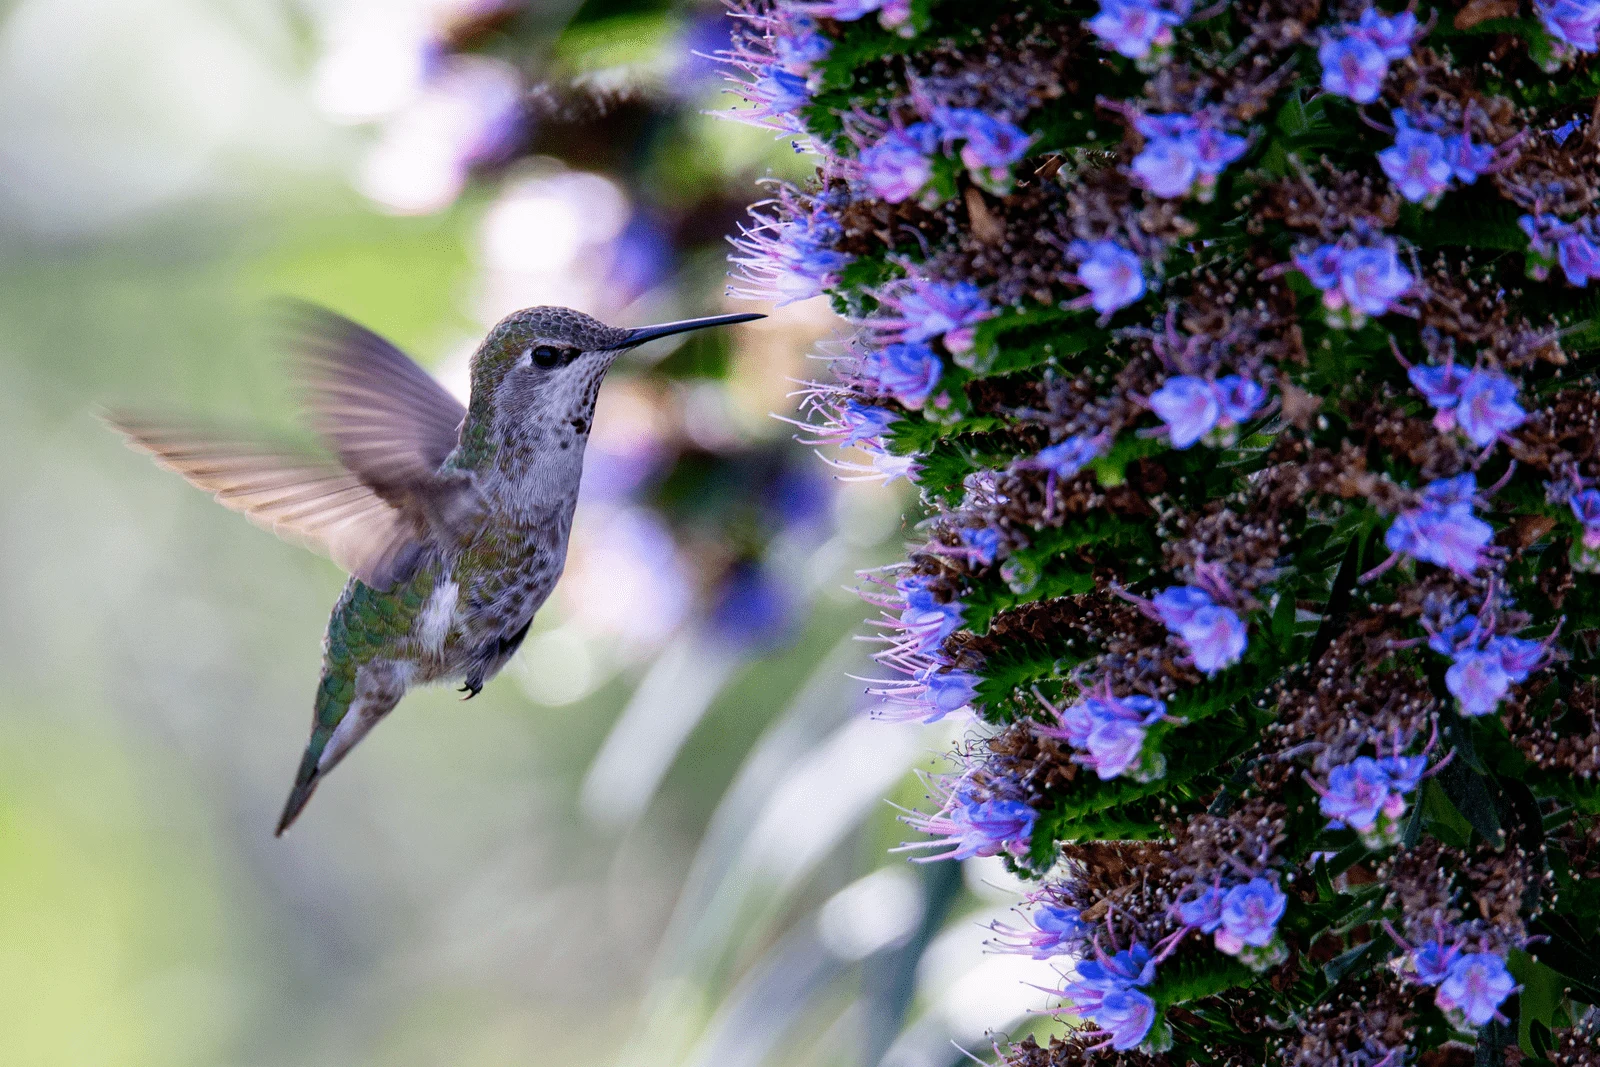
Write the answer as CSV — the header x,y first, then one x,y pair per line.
x,y
305,784
303,499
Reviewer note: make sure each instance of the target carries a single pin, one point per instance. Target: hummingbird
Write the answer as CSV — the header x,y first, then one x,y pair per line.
x,y
452,521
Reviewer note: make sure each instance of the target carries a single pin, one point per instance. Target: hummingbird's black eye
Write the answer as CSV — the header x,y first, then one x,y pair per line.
x,y
547,356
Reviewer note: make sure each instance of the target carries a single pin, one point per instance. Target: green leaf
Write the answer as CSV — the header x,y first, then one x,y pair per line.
x,y
1543,998
1181,981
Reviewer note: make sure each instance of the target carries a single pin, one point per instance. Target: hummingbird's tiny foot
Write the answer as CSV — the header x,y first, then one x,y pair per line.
x,y
471,690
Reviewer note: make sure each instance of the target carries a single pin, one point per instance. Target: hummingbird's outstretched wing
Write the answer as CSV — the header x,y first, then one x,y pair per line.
x,y
298,497
386,417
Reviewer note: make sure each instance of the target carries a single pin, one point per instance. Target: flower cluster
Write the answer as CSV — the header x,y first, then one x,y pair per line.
x,y
1195,678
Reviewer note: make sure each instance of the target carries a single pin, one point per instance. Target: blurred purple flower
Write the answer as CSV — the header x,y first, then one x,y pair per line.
x,y
1321,265
1416,163
1488,407
1467,160
983,544
1431,961
1204,912
1356,794
924,310
1471,994
1371,278
754,609
1393,34
1068,457
1189,407
1133,28
1215,634
1250,915
1054,931
1574,23
1112,274
1352,67
898,167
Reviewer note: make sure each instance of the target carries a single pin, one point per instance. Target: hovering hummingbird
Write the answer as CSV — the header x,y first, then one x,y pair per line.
x,y
451,521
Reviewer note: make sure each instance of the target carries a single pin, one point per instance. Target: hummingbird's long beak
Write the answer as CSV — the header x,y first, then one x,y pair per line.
x,y
651,333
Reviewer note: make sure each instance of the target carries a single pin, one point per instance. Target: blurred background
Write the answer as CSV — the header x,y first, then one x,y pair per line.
x,y
660,837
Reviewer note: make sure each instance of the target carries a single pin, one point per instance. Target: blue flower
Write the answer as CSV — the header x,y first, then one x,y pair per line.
x,y
1439,385
1184,154
948,691
1321,265
1478,680
1353,67
1443,531
1574,23
1393,34
1356,794
983,544
1110,729
1193,408
992,145
1467,160
1068,457
1055,931
968,827
932,309
1417,164
790,259
1112,274
908,372
900,165
1431,961
1250,915
1471,994
1579,258
1189,407
1215,634
1125,1016
864,424
1488,407
1204,912
1134,28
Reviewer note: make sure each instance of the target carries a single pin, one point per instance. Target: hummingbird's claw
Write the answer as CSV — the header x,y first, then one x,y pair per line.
x,y
471,689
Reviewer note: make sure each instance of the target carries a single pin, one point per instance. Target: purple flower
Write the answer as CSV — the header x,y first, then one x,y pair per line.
x,y
1488,407
908,372
1586,506
1215,634
778,93
968,827
992,145
1178,605
1404,772
1166,167
1439,385
1321,265
864,424
1371,278
1189,406
1110,729
1240,397
1055,931
899,166
798,46
1431,961
1134,27
1478,680
1250,915
1572,22
1068,457
842,10
790,259
1356,794
930,309
1518,657
1203,912
1393,34
1353,67
1112,274
1417,164
925,620
1183,154
1471,995
1579,258
1451,539
1467,160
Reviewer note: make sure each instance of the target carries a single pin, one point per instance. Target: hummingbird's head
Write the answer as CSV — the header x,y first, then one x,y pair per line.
x,y
546,363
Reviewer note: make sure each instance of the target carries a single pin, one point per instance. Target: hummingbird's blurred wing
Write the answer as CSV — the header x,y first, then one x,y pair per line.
x,y
297,496
386,417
